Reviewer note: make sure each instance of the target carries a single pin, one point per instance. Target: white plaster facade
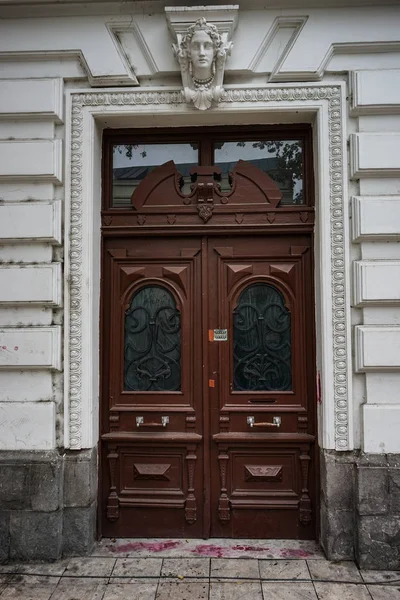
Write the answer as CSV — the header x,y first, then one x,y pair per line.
x,y
67,72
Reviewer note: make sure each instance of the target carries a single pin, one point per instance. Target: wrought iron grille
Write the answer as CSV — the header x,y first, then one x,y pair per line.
x,y
152,359
261,340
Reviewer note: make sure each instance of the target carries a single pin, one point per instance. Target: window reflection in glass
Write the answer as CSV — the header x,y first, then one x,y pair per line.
x,y
261,341
132,162
282,160
152,356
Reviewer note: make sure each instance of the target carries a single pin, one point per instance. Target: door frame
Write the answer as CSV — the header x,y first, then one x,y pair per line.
x,y
89,112
122,224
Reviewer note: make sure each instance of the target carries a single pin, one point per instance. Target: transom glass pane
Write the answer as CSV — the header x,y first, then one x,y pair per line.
x,y
152,358
282,160
132,162
261,341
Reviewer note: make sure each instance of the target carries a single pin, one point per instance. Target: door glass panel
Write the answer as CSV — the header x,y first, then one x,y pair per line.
x,y
261,341
132,162
152,357
282,160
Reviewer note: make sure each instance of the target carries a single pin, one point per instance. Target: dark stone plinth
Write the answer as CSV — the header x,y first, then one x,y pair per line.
x,y
372,490
35,536
4,536
80,478
47,504
337,504
378,542
337,533
79,530
377,511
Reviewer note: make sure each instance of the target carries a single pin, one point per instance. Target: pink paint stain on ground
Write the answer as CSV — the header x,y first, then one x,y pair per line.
x,y
250,549
211,550
295,553
148,546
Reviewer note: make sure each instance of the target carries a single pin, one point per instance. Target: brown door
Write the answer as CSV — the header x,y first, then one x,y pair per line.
x,y
208,414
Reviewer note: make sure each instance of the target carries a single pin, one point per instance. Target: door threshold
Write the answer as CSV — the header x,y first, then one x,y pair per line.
x,y
210,548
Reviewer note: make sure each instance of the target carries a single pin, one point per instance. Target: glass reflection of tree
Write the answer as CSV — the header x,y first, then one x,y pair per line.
x,y
289,159
128,149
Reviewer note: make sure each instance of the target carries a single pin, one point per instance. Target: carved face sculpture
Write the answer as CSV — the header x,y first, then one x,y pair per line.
x,y
201,54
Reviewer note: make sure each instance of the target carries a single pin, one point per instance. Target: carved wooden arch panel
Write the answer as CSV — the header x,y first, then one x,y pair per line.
x,y
252,191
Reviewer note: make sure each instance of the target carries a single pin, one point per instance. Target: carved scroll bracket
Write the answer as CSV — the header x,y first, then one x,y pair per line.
x,y
191,506
224,511
113,500
204,189
305,501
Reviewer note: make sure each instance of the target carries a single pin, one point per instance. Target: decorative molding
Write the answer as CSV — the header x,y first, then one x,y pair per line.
x,y
375,218
119,32
377,348
375,92
375,154
32,99
224,17
38,284
33,160
30,347
376,282
26,221
330,96
78,56
296,23
335,49
202,82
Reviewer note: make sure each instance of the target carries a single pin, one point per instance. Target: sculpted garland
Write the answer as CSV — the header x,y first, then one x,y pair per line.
x,y
202,55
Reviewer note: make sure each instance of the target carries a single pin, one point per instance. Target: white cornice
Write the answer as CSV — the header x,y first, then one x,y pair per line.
x,y
40,8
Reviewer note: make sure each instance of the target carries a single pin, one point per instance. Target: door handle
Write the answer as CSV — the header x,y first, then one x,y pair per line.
x,y
276,422
140,422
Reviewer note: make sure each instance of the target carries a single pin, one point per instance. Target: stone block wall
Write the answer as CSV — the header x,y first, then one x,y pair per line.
x,y
360,508
377,511
47,504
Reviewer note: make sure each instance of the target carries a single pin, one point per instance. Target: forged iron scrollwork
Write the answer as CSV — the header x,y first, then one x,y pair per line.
x,y
261,340
152,360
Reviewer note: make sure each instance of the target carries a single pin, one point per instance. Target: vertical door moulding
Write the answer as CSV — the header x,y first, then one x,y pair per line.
x,y
83,108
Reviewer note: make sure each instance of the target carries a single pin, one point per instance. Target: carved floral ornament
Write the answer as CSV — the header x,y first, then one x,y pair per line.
x,y
202,54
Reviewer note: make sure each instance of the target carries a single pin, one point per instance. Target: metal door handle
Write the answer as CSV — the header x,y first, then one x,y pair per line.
x,y
276,422
140,422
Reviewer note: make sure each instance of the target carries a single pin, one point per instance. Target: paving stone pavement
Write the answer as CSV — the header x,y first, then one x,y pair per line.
x,y
198,570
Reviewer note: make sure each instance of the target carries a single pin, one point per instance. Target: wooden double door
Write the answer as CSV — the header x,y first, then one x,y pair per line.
x,y
209,377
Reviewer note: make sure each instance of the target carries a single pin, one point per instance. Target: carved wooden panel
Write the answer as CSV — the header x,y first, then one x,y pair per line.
x,y
146,471
263,472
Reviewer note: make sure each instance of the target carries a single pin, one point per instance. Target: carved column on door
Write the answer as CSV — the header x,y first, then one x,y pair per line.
x,y
224,512
305,501
113,500
190,506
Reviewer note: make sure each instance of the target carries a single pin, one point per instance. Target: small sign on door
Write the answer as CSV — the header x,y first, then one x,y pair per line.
x,y
218,335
